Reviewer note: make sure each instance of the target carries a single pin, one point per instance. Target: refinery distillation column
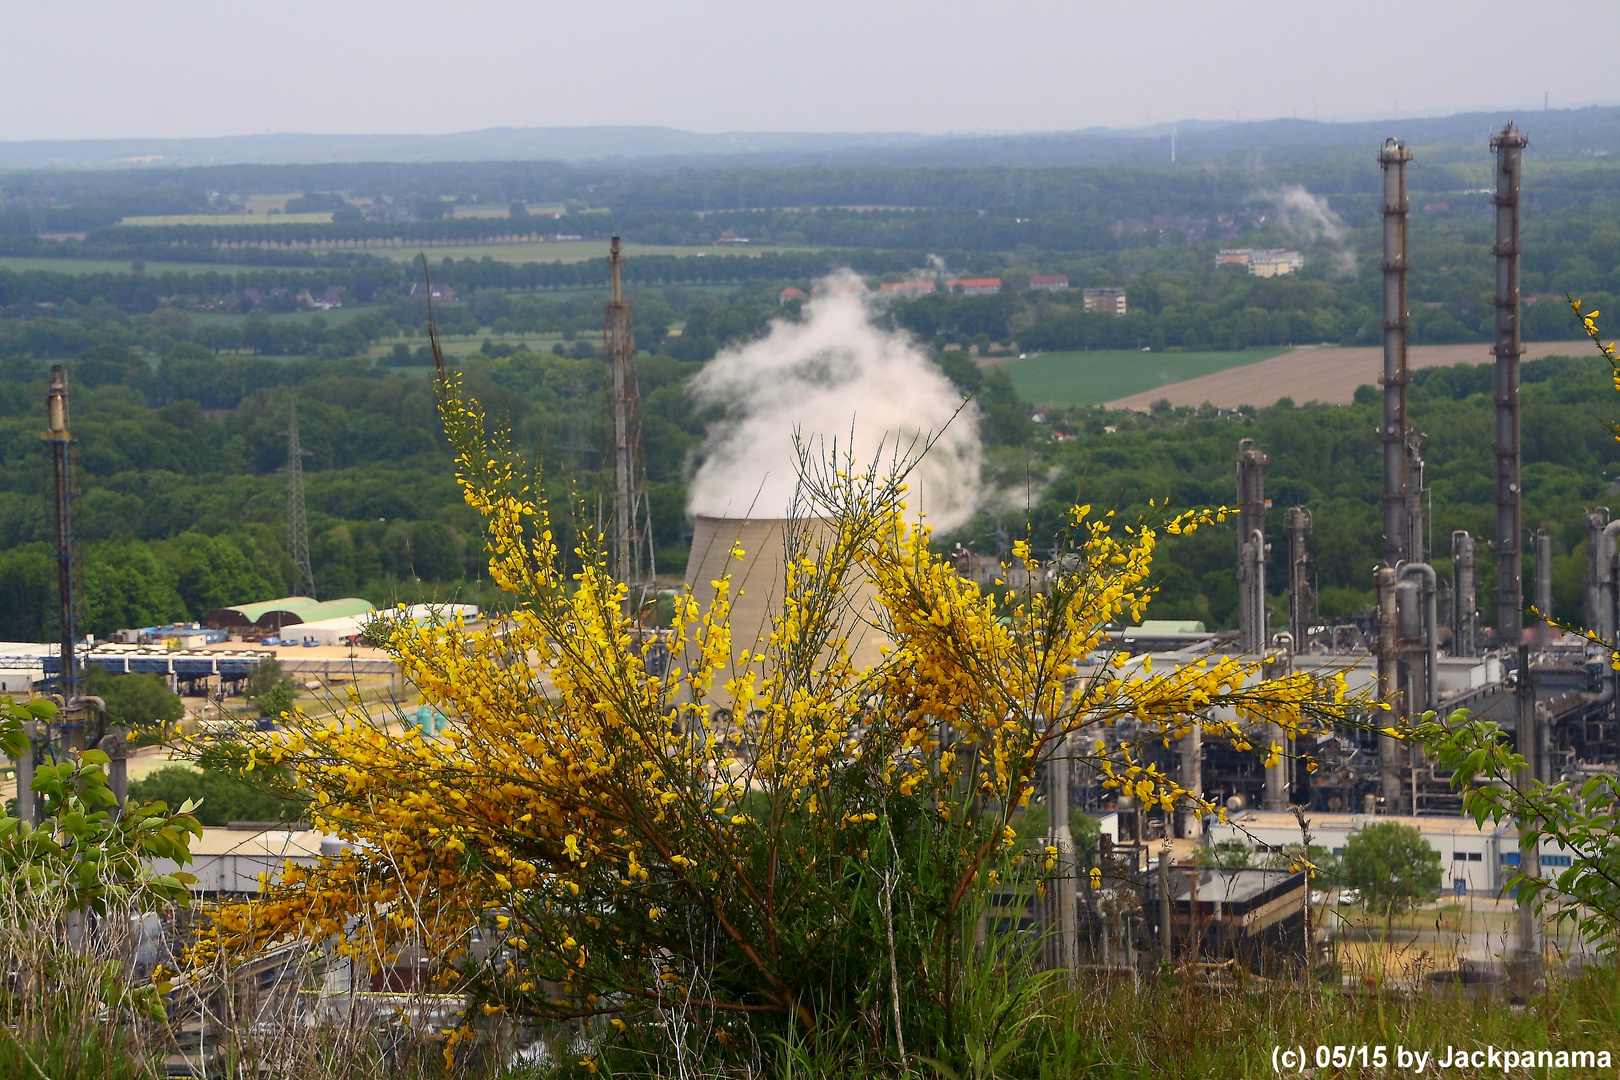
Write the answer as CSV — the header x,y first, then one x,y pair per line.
x,y
1393,159
1509,145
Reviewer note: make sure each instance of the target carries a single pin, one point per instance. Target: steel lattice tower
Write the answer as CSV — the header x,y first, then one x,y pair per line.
x,y
630,538
297,525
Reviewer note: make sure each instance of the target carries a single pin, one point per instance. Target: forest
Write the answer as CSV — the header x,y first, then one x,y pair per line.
x,y
182,508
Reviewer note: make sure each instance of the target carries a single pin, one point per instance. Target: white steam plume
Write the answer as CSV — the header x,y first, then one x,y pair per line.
x,y
1309,215
1311,218
834,376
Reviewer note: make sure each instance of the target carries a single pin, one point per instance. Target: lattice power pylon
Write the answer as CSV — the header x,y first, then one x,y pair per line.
x,y
630,530
297,525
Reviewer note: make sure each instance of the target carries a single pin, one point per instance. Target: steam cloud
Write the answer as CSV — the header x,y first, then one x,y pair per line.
x,y
1301,212
1310,217
834,376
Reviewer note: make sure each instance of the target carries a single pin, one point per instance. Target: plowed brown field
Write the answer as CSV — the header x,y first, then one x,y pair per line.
x,y
1326,374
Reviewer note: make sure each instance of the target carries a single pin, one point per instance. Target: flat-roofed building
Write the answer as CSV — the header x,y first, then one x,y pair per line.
x,y
1473,859
1262,262
1105,301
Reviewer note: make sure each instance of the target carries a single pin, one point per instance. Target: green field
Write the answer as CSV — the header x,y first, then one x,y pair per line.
x,y
250,218
22,264
563,251
1092,378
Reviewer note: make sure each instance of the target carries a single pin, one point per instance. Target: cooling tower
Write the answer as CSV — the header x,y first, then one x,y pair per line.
x,y
758,574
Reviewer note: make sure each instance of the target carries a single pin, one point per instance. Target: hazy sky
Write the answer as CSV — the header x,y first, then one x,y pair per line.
x,y
135,68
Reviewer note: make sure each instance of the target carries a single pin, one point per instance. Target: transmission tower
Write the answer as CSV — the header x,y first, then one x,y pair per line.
x,y
631,524
297,526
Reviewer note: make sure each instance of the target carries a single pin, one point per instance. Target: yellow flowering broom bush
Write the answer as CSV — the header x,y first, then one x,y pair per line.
x,y
590,840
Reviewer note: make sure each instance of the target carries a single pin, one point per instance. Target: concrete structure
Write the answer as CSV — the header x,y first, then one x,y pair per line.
x,y
1109,301
757,582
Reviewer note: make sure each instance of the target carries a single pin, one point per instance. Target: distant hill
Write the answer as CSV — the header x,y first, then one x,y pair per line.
x,y
1592,131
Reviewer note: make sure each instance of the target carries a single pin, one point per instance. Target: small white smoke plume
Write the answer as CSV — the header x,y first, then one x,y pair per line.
x,y
1311,219
1308,215
834,376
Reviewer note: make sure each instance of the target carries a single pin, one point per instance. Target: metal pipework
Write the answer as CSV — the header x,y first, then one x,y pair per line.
x,y
1390,750
1464,599
1424,644
1542,545
1251,504
1297,521
1509,145
1393,158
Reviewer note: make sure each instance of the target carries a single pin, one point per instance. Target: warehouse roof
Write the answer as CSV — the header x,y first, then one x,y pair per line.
x,y
327,609
247,614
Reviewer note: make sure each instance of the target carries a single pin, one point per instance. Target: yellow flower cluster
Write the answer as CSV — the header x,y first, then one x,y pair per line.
x,y
587,813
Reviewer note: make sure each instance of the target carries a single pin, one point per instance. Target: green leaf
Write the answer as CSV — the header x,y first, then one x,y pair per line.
x,y
95,757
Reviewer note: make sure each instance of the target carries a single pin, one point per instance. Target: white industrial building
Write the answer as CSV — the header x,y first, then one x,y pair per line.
x,y
22,664
1473,859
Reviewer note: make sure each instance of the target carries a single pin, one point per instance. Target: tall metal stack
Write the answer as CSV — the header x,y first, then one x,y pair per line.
x,y
1400,534
1509,145
1397,531
59,437
630,547
1251,497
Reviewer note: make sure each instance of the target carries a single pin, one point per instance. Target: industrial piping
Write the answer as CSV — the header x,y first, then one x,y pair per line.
x,y
1420,697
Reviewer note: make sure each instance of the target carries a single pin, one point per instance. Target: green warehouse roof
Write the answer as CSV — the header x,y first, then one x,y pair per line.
x,y
327,609
247,614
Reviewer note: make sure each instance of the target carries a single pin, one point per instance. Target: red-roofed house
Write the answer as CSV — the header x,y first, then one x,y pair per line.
x,y
790,293
907,288
1049,282
978,286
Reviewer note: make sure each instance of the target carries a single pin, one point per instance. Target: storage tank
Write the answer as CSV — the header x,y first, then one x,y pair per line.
x,y
759,577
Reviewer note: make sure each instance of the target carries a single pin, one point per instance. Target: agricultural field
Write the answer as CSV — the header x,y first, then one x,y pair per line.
x,y
22,264
562,251
1326,374
1092,378
260,217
